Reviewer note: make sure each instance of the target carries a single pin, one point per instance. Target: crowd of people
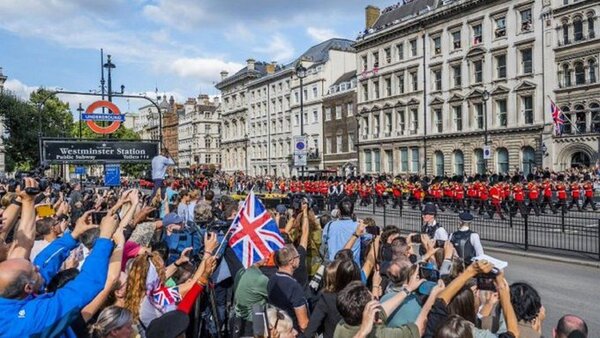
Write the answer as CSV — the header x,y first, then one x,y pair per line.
x,y
90,262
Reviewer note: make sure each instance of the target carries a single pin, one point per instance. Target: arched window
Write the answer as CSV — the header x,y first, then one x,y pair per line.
x,y
479,161
579,73
580,119
566,75
459,162
567,128
592,70
578,29
528,156
590,22
502,160
439,163
565,30
595,110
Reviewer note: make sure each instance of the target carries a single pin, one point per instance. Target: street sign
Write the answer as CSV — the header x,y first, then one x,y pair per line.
x,y
103,117
299,160
487,152
112,175
91,122
300,146
80,170
97,151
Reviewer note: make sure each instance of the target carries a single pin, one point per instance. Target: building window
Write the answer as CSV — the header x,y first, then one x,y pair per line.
x,y
376,124
595,110
388,87
401,122
414,121
365,126
502,118
478,71
400,51
477,34
456,73
566,127
528,109
366,92
479,161
439,163
591,32
437,45
565,30
500,27
351,142
580,119
208,158
413,47
315,91
579,73
502,160
456,39
566,75
375,90
528,155
365,65
377,160
388,124
459,163
328,145
338,112
338,143
375,59
388,55
415,160
479,115
438,120
404,159
578,29
437,75
527,61
207,143
389,156
315,116
458,118
592,70
328,114
350,109
413,79
401,84
501,66
526,20
368,163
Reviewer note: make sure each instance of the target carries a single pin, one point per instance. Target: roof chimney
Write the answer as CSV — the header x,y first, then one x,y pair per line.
x,y
250,63
224,74
371,15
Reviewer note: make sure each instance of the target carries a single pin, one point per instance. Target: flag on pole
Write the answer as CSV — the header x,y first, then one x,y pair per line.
x,y
254,233
557,118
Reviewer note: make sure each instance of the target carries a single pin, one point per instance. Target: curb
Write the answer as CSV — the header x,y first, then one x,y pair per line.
x,y
591,264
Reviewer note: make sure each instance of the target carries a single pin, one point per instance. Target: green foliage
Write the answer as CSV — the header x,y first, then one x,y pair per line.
x,y
22,126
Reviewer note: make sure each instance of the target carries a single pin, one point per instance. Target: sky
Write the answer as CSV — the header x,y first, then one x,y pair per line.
x,y
176,46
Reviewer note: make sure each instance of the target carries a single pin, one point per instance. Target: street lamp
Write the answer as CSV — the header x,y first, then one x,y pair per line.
x,y
357,141
485,96
80,110
301,73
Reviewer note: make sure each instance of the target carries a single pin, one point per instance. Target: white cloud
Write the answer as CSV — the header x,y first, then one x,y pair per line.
x,y
320,34
239,32
278,49
203,69
19,89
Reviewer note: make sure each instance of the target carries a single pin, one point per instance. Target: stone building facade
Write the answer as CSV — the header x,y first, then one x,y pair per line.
x,y
340,126
170,119
269,117
234,93
437,77
576,49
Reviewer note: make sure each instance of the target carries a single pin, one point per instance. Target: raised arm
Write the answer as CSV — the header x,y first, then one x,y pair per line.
x,y
25,233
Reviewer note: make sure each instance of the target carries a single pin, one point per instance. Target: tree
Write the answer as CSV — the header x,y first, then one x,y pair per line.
x,y
22,126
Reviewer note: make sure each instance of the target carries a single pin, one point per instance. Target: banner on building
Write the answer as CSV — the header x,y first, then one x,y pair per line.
x,y
98,151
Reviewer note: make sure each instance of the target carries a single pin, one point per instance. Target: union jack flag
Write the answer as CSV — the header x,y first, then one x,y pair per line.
x,y
557,118
165,297
254,233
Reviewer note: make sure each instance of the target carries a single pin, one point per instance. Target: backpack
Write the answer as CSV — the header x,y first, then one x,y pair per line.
x,y
189,236
462,243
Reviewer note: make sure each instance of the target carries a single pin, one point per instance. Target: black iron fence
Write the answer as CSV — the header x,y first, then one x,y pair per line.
x,y
576,231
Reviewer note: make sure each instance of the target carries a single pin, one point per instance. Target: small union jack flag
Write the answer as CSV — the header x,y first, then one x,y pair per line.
x,y
254,233
164,297
557,118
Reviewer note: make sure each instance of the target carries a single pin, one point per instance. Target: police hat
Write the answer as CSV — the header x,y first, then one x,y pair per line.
x,y
430,209
465,216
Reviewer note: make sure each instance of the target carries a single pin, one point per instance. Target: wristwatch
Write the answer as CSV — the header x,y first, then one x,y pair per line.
x,y
405,290
355,235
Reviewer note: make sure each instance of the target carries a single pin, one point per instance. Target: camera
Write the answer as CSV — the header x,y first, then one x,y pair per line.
x,y
428,273
297,199
218,226
439,243
373,230
416,239
38,175
97,216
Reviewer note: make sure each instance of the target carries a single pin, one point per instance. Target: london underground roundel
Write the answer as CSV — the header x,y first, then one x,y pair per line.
x,y
92,118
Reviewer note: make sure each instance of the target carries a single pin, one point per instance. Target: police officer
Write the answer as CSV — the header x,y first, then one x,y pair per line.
x,y
430,225
466,242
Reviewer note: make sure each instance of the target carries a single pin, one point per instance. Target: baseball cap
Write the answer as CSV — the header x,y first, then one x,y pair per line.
x,y
172,218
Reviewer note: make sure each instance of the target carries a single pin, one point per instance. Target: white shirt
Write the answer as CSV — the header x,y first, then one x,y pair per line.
x,y
38,246
475,241
159,166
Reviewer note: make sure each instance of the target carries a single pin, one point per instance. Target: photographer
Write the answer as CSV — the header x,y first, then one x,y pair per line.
x,y
337,233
